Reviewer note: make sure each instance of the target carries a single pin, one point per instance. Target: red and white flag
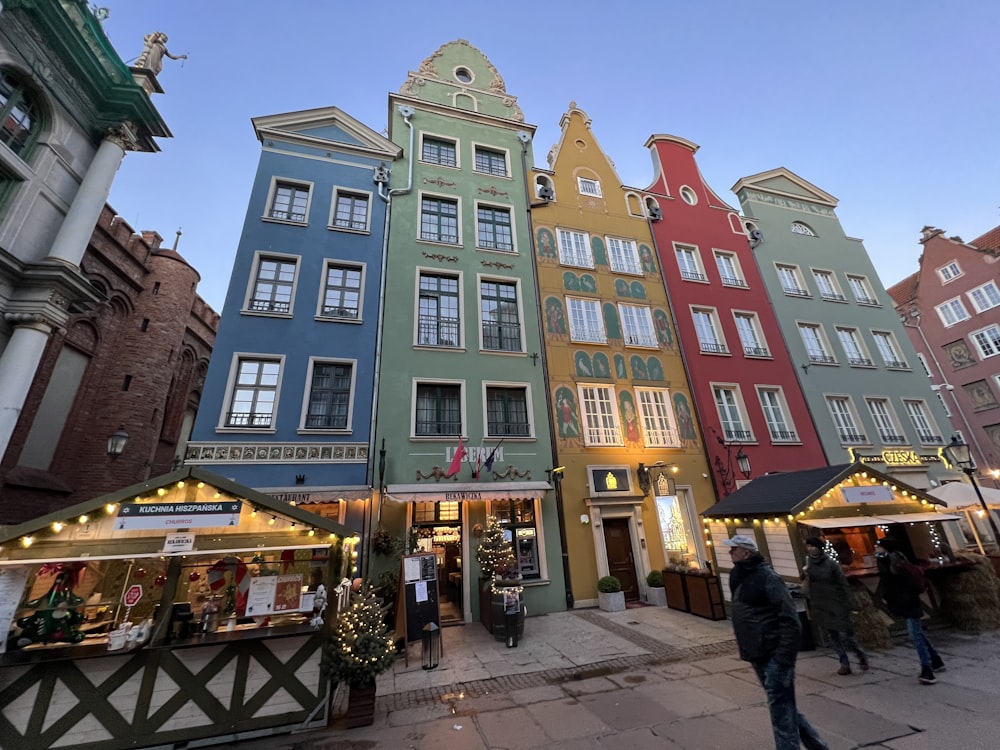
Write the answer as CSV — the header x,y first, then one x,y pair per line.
x,y
456,462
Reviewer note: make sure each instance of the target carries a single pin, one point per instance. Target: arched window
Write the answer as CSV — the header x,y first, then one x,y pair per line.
x,y
19,116
804,229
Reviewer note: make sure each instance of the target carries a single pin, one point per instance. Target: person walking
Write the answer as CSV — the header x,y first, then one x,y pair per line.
x,y
830,605
900,590
767,631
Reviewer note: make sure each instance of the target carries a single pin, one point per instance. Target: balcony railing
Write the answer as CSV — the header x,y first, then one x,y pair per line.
x,y
822,359
326,421
585,333
713,347
733,281
784,436
833,297
737,436
926,437
268,305
340,312
859,362
256,420
505,337
508,429
896,364
641,339
892,439
756,351
796,291
435,331
848,436
692,275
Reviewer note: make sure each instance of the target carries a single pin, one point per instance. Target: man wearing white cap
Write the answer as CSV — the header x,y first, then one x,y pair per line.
x,y
767,632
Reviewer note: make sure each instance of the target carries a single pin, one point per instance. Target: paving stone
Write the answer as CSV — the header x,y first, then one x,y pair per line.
x,y
861,726
567,719
685,700
642,738
624,709
730,688
513,729
703,733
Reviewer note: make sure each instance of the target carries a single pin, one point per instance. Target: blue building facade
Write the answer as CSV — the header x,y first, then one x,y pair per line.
x,y
287,405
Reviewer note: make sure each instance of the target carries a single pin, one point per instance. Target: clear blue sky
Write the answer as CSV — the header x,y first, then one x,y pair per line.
x,y
892,106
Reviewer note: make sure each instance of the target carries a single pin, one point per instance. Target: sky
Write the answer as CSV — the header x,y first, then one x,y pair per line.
x,y
890,106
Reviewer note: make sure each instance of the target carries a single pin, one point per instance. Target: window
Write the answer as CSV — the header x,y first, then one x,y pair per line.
x,y
600,416
923,364
889,352
350,210
658,427
729,404
588,186
861,290
944,404
804,229
949,271
751,338
772,403
437,314
707,327
254,393
688,263
500,319
729,269
853,348
623,255
844,420
791,282
520,521
439,409
273,285
490,161
494,228
827,285
574,249
815,341
688,195
439,220
329,405
985,297
19,115
987,341
507,412
585,321
885,425
438,151
638,325
289,202
952,312
927,432
342,292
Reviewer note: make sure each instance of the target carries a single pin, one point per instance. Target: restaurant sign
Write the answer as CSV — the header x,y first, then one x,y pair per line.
x,y
177,515
897,457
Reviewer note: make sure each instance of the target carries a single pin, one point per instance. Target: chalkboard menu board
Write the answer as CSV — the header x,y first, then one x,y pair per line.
x,y
418,595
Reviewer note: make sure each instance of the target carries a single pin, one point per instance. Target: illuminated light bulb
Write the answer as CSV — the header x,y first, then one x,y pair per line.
x,y
756,520
217,495
312,532
791,517
777,520
27,541
292,503
894,488
161,492
110,507
271,522
293,524
180,484
57,526
138,499
864,474
253,513
333,537
200,485
708,542
83,518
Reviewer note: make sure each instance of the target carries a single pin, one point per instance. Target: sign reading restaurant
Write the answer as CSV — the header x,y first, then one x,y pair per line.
x,y
896,457
178,515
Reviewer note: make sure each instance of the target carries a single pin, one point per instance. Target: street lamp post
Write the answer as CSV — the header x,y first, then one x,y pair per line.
x,y
958,454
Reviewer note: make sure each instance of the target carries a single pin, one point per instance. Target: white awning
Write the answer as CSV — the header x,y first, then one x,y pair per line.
x,y
847,521
918,517
963,495
461,491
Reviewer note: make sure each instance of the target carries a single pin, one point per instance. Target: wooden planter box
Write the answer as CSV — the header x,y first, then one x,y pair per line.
x,y
673,582
704,597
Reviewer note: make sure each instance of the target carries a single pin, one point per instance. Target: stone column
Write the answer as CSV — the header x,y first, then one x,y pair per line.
x,y
18,365
74,234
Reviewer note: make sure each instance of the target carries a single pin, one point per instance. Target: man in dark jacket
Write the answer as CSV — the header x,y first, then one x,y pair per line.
x,y
829,596
767,632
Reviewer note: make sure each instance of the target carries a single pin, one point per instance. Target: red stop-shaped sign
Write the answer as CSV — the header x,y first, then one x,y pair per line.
x,y
133,595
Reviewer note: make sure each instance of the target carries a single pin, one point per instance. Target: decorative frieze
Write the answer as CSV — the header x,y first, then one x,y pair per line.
x,y
275,453
777,200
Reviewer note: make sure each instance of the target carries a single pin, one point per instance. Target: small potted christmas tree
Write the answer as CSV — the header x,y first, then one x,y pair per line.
x,y
358,652
495,555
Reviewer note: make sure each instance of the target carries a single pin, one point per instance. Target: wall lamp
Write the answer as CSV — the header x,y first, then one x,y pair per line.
x,y
117,441
726,470
555,475
646,479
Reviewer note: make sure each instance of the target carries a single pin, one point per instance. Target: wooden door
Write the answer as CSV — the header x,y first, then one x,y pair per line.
x,y
621,563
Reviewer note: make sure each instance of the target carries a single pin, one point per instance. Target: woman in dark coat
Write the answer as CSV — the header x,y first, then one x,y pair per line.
x,y
830,605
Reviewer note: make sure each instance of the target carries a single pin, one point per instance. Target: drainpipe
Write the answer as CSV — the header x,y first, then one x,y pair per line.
x,y
525,138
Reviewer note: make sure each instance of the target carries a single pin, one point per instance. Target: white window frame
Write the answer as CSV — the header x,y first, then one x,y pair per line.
x,y
307,397
510,281
539,528
708,329
828,286
861,289
341,314
454,199
790,279
339,191
777,415
923,363
259,259
637,326
689,263
845,419
496,150
589,186
984,297
923,423
730,270
272,193
443,139
732,411
574,248
513,228
888,350
415,385
816,344
802,229
418,292
599,414
752,339
952,312
529,408
885,421
583,315
949,271
659,428
232,384
623,255
854,347
944,402
987,341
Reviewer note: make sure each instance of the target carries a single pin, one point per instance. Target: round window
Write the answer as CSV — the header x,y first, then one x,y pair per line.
x,y
463,75
689,195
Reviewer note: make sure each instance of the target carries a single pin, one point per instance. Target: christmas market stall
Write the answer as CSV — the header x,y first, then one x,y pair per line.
x,y
181,609
850,507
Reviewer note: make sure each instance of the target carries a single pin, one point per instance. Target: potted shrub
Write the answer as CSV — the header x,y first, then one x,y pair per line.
x,y
656,594
358,652
610,596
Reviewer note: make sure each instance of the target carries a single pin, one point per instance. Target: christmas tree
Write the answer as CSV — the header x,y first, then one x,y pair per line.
x,y
494,553
359,650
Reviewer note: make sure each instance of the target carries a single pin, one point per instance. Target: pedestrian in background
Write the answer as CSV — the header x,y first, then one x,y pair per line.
x,y
830,605
767,632
900,590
